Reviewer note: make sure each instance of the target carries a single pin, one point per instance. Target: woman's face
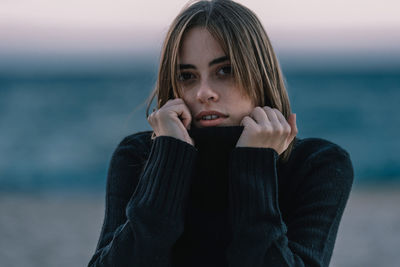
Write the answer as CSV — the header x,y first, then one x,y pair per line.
x,y
207,83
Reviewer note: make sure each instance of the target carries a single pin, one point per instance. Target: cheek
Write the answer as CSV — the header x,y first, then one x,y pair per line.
x,y
242,108
245,104
186,97
189,100
246,109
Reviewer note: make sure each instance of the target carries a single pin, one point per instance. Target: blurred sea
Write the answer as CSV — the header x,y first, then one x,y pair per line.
x,y
58,129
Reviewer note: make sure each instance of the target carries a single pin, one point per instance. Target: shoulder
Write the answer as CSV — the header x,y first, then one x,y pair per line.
x,y
137,139
316,148
138,144
126,164
316,160
132,151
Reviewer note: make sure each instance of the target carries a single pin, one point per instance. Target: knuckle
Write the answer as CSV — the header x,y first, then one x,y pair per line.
x,y
279,129
158,114
258,130
266,129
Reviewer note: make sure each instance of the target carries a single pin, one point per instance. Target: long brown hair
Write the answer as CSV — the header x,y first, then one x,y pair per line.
x,y
243,38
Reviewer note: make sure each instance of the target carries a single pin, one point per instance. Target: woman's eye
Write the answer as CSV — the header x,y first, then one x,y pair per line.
x,y
184,76
225,70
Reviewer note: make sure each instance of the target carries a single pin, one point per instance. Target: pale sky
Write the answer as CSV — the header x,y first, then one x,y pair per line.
x,y
121,25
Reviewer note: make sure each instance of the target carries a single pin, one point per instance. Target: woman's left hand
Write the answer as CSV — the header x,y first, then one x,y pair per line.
x,y
267,128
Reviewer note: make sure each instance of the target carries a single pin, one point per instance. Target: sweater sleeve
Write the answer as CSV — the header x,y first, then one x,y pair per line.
x,y
140,229
306,238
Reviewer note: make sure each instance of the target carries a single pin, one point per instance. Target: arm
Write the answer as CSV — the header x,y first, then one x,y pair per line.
x,y
307,237
140,229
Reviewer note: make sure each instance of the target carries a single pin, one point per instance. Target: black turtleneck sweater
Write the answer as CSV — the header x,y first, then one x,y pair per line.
x,y
169,203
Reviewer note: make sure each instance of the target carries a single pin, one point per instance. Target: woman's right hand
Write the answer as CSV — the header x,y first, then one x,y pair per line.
x,y
173,119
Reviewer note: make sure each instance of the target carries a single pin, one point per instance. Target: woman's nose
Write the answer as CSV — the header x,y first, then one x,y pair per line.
x,y
206,92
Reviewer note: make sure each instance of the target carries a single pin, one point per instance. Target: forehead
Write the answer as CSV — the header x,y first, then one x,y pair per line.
x,y
199,45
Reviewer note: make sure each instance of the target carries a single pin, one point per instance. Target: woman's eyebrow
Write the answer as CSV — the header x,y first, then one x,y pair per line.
x,y
212,62
186,66
218,60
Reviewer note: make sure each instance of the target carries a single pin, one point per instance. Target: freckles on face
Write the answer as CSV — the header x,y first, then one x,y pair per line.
x,y
207,83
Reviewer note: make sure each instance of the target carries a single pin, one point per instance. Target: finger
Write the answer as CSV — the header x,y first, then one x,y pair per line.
x,y
172,102
183,114
280,116
293,126
248,122
286,126
259,116
271,115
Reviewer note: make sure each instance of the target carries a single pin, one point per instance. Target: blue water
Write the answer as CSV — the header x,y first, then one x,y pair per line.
x,y
59,130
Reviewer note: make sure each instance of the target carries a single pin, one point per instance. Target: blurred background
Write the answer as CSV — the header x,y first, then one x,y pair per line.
x,y
75,76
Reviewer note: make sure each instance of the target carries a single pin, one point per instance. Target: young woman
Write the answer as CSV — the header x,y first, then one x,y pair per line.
x,y
222,180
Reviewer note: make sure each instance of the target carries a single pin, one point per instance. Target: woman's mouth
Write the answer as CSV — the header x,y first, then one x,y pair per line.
x,y
210,117
210,120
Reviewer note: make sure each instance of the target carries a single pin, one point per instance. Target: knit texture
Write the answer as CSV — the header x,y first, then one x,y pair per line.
x,y
169,203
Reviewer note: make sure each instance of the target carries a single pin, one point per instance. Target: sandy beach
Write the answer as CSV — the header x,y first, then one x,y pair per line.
x,y
40,230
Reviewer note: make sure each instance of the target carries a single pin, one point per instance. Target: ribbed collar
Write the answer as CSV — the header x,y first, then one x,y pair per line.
x,y
209,191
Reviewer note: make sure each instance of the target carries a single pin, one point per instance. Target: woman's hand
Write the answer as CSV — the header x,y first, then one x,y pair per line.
x,y
172,119
266,127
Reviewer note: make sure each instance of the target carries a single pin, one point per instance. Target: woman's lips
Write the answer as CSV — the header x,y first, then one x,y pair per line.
x,y
207,118
209,123
202,114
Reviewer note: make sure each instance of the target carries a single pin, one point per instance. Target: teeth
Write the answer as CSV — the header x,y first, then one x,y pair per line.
x,y
210,117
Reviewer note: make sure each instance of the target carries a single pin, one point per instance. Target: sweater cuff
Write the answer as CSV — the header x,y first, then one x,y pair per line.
x,y
253,185
166,177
